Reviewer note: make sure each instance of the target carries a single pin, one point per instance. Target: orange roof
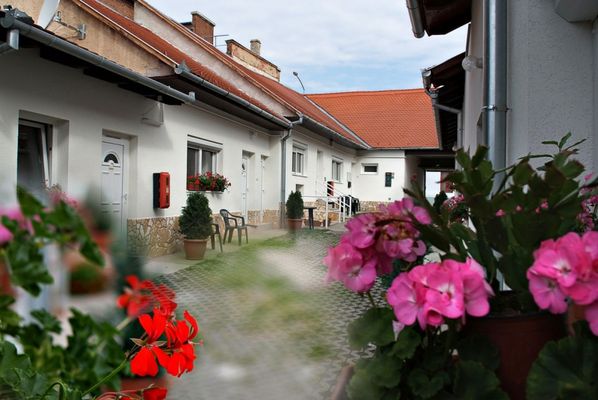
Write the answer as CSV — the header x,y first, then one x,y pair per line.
x,y
171,52
385,119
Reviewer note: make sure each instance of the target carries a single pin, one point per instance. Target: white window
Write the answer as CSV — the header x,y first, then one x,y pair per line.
x,y
33,157
369,169
337,170
200,160
298,163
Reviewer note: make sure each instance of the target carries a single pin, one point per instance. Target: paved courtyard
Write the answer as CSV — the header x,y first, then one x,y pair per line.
x,y
273,329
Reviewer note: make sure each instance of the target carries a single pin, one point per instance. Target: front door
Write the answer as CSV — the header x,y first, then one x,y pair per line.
x,y
113,174
320,188
262,186
244,184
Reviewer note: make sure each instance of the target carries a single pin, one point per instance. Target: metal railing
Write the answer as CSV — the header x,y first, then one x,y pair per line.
x,y
337,203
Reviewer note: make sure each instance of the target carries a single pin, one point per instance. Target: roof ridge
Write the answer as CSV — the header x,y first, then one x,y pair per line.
x,y
366,92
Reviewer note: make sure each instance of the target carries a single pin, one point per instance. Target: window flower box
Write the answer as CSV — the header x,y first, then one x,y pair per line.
x,y
207,182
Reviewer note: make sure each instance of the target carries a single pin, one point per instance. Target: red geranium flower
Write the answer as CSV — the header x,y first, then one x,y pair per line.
x,y
154,394
134,299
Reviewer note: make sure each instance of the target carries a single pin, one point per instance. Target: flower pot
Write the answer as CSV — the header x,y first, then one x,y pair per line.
x,y
519,339
294,224
340,388
195,248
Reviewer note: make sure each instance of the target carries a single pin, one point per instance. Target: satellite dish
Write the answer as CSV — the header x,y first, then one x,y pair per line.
x,y
46,15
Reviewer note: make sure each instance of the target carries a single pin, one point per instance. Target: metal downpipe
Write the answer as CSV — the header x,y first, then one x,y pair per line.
x,y
283,168
10,22
415,16
12,42
495,82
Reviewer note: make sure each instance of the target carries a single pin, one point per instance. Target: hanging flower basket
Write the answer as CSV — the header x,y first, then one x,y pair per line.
x,y
207,182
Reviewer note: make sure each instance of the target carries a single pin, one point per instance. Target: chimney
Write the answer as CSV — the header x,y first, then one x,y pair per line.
x,y
202,26
255,46
252,59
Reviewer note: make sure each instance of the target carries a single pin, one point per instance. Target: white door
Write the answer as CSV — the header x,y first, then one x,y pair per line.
x,y
320,187
244,185
113,199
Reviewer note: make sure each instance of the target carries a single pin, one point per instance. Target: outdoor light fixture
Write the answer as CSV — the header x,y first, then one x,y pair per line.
x,y
470,63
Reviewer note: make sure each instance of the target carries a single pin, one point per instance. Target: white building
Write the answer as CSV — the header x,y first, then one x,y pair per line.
x,y
135,93
530,72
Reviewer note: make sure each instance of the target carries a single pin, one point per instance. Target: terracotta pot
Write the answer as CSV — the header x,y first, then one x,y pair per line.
x,y
294,224
195,248
340,388
519,339
103,239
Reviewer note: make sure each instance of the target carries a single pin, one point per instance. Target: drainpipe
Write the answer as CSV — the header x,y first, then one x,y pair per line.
x,y
415,16
283,167
183,70
12,42
53,41
495,82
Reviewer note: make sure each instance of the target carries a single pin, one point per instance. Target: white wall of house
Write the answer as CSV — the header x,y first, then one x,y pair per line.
x,y
551,78
319,153
82,109
370,186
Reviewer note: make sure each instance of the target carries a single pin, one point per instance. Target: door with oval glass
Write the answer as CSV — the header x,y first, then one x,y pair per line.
x,y
113,169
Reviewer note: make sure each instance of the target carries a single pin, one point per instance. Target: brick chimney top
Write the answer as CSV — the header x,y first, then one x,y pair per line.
x,y
256,46
202,26
252,59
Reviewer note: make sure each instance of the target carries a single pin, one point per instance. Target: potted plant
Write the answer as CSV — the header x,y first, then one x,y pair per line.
x,y
194,224
294,211
475,301
208,182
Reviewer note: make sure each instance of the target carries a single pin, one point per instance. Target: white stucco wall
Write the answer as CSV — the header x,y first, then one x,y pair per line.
x,y
551,80
82,109
370,187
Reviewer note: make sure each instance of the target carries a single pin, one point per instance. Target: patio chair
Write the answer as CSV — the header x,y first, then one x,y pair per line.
x,y
233,223
216,231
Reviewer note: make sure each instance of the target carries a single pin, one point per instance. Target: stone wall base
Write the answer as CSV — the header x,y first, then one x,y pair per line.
x,y
159,236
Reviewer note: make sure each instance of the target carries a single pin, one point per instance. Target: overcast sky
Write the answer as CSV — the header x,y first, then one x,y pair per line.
x,y
334,45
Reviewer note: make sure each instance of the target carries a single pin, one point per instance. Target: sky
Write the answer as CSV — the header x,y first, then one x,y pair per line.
x,y
334,45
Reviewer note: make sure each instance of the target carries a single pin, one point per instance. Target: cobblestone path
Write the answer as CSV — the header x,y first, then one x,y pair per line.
x,y
273,329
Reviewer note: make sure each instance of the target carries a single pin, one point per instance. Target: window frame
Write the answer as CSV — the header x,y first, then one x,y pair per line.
x,y
200,149
364,165
340,164
298,149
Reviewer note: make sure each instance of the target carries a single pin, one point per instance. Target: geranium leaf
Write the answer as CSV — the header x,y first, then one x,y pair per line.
x,y
375,326
406,344
567,369
474,382
424,386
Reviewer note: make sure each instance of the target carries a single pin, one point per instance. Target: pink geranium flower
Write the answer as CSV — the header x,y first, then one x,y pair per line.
x,y
345,264
362,230
591,314
16,215
407,299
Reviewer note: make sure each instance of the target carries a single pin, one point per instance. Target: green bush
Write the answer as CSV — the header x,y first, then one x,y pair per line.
x,y
295,206
196,217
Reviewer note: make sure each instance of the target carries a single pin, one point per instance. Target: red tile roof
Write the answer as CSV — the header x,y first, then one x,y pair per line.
x,y
285,95
385,119
168,50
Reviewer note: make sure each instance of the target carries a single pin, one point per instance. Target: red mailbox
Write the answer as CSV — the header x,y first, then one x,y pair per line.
x,y
161,190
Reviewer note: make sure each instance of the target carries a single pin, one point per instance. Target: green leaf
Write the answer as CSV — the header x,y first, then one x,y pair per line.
x,y
385,370
463,158
30,206
567,369
407,343
478,348
473,382
564,140
362,387
424,386
375,326
47,321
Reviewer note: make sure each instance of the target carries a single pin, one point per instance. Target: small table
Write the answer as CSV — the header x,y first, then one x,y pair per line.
x,y
310,216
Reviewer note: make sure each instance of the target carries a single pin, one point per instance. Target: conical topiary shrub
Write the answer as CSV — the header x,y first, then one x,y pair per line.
x,y
195,224
294,211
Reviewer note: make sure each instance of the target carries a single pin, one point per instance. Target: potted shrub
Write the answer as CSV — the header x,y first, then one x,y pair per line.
x,y
294,211
195,225
450,329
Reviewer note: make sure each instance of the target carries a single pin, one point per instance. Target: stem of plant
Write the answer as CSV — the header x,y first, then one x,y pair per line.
x,y
371,299
61,390
107,377
123,324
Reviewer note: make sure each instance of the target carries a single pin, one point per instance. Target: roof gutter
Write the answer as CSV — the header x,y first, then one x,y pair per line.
x,y
53,41
415,15
427,80
183,70
12,42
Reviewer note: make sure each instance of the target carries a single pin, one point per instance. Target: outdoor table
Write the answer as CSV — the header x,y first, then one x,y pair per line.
x,y
310,216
